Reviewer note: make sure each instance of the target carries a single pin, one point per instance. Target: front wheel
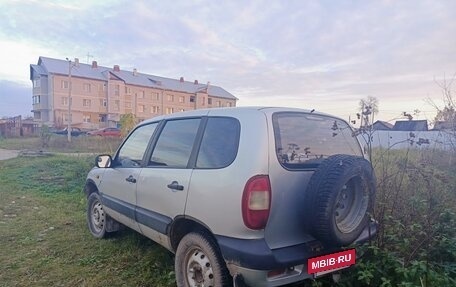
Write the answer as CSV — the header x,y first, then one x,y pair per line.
x,y
96,217
199,263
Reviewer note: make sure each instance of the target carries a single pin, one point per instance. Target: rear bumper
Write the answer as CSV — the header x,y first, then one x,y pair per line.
x,y
253,259
255,253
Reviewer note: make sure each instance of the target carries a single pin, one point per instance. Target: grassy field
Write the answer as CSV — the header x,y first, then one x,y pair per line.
x,y
44,240
43,236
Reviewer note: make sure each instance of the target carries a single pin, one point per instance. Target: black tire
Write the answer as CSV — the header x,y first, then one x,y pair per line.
x,y
339,199
199,263
96,217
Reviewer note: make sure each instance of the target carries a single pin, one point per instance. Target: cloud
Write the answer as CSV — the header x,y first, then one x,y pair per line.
x,y
321,53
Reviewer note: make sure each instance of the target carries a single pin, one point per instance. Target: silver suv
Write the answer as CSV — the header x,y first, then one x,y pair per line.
x,y
243,196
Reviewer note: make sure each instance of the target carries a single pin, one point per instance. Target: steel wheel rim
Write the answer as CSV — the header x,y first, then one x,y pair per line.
x,y
351,205
97,216
199,271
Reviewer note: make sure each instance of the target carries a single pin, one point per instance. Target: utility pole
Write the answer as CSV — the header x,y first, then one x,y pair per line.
x,y
69,101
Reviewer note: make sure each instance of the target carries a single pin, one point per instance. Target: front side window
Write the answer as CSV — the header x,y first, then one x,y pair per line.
x,y
132,151
220,143
175,143
304,139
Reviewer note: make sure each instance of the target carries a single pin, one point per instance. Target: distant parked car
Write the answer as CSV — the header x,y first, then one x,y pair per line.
x,y
106,132
74,132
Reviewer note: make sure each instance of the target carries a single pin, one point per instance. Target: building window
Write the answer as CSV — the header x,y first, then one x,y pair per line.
x,y
65,84
37,83
218,103
192,99
86,102
169,111
182,110
141,95
86,118
116,105
64,101
229,104
203,101
116,90
65,117
127,90
141,108
102,118
86,87
103,103
154,109
181,99
170,98
154,96
209,101
36,99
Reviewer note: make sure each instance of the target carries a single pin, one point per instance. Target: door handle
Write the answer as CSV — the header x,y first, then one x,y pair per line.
x,y
131,179
175,185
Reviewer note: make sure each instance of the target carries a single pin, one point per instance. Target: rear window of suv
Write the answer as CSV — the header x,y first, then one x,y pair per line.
x,y
303,140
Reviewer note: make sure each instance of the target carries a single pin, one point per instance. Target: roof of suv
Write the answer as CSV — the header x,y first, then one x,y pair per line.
x,y
230,110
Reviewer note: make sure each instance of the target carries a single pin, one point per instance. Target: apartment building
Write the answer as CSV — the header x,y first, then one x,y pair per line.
x,y
95,96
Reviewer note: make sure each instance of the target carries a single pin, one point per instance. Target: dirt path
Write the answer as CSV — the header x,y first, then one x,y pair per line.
x,y
7,154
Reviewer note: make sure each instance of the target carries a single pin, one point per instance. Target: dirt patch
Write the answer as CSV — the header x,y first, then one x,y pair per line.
x,y
7,154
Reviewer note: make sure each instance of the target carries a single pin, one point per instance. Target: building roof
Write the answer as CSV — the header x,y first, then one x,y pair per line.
x,y
419,125
35,69
382,125
55,66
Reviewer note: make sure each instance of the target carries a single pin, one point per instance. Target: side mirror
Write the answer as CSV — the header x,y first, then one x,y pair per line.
x,y
103,161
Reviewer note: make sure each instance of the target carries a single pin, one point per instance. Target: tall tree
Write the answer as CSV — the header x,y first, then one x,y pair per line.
x,y
127,123
368,108
448,112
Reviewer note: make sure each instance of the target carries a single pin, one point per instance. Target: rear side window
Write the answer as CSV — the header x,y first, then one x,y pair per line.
x,y
303,140
220,143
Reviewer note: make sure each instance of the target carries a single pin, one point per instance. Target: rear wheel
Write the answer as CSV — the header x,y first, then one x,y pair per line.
x,y
199,263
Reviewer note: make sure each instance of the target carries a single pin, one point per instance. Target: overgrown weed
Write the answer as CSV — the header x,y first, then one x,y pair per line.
x,y
415,208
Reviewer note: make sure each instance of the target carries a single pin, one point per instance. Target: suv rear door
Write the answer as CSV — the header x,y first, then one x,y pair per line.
x,y
164,181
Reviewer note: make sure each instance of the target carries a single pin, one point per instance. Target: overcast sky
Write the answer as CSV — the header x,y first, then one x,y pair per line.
x,y
323,55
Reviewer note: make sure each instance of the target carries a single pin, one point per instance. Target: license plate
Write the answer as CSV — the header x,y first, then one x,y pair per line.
x,y
328,263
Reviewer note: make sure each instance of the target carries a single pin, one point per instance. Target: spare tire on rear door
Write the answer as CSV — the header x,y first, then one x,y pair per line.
x,y
339,199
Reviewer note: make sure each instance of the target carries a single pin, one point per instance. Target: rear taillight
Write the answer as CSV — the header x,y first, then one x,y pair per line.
x,y
256,202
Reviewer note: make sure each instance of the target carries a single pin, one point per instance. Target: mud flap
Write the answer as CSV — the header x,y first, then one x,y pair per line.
x,y
238,281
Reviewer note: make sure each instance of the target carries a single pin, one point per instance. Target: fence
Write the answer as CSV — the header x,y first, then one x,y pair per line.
x,y
443,140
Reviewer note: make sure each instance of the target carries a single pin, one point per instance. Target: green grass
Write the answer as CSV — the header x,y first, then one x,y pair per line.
x,y
44,239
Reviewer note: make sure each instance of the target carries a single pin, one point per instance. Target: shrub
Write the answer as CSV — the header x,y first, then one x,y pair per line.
x,y
416,243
